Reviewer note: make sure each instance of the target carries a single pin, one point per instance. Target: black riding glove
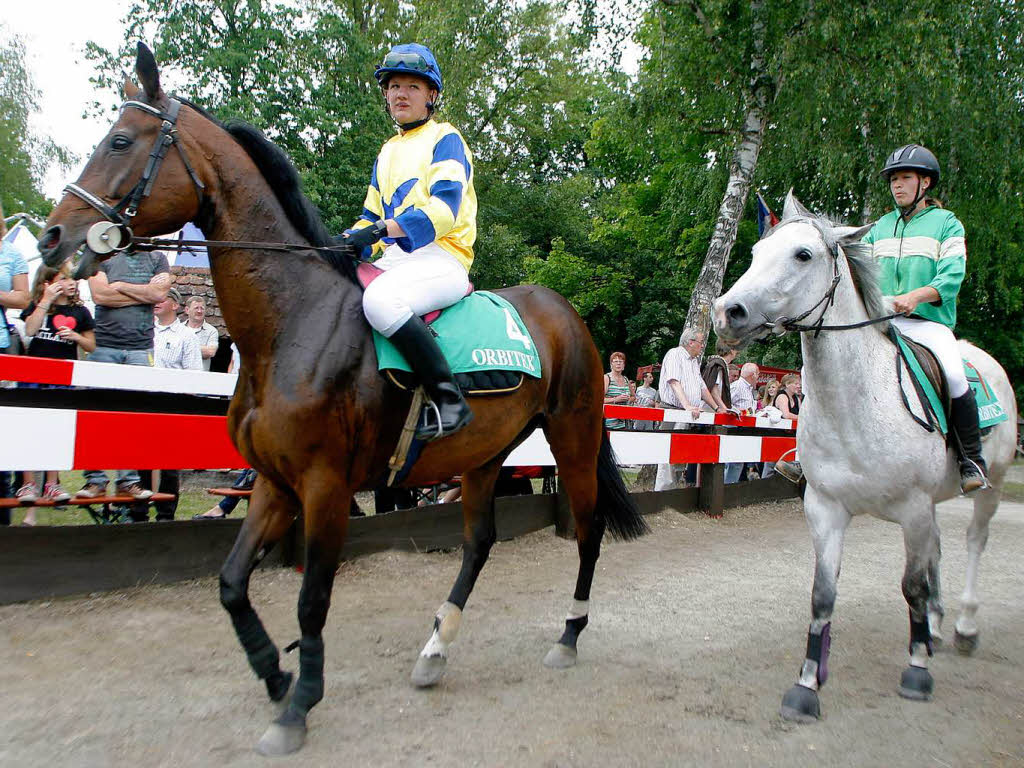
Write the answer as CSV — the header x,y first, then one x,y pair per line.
x,y
361,240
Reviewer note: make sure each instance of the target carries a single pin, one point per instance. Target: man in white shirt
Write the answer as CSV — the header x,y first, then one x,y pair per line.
x,y
206,334
174,345
744,401
681,387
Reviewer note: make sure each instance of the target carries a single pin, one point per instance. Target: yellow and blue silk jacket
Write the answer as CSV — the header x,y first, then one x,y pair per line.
x,y
423,179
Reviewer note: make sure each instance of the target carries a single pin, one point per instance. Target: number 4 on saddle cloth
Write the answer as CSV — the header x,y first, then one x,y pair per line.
x,y
488,348
930,385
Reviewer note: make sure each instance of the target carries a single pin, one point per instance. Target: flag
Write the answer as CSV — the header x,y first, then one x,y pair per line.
x,y
765,218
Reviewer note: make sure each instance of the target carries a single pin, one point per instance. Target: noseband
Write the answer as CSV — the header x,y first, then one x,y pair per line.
x,y
115,234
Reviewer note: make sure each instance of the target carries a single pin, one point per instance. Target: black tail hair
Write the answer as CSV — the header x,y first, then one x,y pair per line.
x,y
282,177
615,507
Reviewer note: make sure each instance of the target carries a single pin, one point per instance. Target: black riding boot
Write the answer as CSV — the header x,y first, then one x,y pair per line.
x,y
415,341
964,414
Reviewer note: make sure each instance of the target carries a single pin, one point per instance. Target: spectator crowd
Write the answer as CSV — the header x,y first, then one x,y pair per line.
x,y
721,385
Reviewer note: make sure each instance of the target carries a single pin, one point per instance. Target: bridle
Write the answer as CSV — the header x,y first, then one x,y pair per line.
x,y
793,323
115,233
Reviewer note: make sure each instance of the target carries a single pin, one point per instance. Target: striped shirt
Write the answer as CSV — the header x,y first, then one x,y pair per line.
x,y
423,179
927,250
679,366
742,395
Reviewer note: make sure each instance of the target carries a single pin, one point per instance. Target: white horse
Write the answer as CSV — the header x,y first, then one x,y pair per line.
x,y
861,450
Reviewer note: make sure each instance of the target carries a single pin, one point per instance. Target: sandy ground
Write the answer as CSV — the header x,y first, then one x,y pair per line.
x,y
695,634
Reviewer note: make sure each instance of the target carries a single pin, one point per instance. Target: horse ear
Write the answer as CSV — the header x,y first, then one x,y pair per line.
x,y
149,75
793,207
850,235
131,90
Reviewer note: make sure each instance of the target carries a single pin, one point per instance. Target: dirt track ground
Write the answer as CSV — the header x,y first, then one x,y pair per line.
x,y
695,634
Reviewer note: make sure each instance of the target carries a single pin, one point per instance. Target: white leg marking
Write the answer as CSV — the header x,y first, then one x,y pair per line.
x,y
809,674
579,608
919,656
449,617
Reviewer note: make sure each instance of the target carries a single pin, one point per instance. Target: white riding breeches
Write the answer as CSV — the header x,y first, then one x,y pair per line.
x,y
941,341
414,283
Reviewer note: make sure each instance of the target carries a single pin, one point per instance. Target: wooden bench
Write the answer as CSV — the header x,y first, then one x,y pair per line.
x,y
102,517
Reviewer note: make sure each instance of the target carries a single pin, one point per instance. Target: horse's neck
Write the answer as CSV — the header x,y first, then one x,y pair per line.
x,y
260,292
839,363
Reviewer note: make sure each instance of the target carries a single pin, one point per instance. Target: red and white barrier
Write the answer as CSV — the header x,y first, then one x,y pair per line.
x,y
706,417
139,378
665,448
57,438
64,439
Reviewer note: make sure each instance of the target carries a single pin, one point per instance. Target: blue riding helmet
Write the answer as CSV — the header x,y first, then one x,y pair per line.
x,y
410,59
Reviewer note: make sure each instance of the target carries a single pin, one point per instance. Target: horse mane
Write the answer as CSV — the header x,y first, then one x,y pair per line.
x,y
283,178
863,266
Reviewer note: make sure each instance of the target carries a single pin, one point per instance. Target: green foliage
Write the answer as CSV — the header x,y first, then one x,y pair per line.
x,y
605,186
24,156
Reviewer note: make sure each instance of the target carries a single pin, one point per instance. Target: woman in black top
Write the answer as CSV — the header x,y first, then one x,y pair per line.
x,y
58,325
787,400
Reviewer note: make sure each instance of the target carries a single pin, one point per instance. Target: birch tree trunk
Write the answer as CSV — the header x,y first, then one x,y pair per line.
x,y
741,173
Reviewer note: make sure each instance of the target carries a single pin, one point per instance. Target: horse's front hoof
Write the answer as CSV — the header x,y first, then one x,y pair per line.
x,y
800,705
965,644
281,739
916,683
560,657
428,670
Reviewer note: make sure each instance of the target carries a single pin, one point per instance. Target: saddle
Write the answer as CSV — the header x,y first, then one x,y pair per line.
x,y
922,362
473,383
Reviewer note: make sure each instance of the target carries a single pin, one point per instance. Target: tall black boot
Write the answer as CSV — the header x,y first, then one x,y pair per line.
x,y
415,341
964,413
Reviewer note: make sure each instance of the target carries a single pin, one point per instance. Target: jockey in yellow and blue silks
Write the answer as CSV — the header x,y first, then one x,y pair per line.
x,y
420,217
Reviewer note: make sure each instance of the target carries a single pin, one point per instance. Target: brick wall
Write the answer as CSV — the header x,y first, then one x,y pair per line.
x,y
197,281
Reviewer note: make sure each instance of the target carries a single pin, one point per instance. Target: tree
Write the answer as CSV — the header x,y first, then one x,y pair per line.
x,y
24,156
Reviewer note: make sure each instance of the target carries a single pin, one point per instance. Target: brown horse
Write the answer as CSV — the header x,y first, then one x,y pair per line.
x,y
310,411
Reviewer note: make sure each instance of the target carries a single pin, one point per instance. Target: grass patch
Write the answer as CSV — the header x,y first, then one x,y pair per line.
x,y
192,499
1013,491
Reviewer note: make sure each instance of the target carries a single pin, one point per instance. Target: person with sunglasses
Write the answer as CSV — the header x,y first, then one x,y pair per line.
x,y
419,217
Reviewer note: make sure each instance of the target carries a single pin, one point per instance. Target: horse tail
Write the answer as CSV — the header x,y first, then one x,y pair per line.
x,y
615,506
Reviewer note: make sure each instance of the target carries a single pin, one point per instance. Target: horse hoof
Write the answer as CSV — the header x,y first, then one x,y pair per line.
x,y
800,705
428,670
560,657
281,740
965,644
916,683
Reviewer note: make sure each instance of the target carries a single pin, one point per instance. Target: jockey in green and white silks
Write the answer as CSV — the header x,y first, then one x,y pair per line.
x,y
922,258
419,216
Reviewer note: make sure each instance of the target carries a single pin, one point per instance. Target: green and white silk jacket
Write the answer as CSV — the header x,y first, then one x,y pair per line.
x,y
927,250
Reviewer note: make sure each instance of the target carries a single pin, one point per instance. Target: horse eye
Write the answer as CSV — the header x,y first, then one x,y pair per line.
x,y
120,143
803,255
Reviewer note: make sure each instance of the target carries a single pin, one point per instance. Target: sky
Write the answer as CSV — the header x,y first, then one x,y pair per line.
x,y
55,33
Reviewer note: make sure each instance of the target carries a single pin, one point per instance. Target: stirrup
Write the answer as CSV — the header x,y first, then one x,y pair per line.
x,y
967,481
791,470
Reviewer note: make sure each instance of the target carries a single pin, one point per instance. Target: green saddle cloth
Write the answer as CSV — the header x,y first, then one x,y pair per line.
x,y
990,411
482,332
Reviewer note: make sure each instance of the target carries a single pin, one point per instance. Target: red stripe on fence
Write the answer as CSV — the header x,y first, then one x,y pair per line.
x,y
693,449
40,370
772,448
153,441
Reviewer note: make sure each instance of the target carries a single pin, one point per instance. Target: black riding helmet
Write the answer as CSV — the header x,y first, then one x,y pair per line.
x,y
913,157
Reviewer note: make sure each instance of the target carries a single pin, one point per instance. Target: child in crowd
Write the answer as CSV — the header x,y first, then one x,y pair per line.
x,y
58,325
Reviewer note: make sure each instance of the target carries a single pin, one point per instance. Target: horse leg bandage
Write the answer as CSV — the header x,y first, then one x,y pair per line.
x,y
920,635
818,645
